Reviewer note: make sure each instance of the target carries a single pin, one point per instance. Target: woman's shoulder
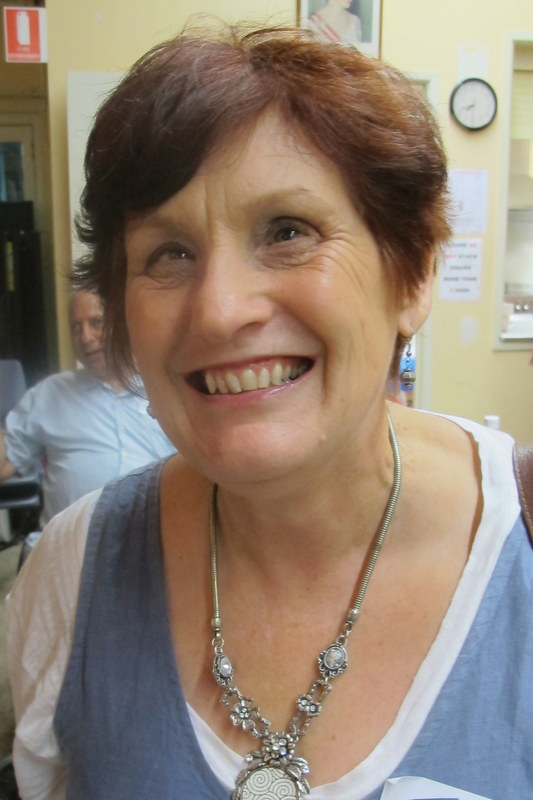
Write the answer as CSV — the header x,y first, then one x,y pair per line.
x,y
460,446
54,565
459,438
458,470
446,435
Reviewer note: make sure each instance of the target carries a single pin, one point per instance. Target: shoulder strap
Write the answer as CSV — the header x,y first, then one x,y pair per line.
x,y
523,468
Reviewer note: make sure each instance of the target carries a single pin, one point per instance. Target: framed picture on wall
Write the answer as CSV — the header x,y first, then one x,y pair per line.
x,y
356,22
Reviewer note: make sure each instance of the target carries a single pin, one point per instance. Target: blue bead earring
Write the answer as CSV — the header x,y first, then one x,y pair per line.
x,y
407,375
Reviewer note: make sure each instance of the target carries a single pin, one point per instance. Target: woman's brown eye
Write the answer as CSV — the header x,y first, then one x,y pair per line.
x,y
168,257
286,234
168,254
285,229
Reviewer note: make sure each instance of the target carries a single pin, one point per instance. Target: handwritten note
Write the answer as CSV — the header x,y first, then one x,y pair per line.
x,y
460,270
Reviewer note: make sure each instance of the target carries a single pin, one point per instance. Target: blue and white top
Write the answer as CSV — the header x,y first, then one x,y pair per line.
x,y
100,709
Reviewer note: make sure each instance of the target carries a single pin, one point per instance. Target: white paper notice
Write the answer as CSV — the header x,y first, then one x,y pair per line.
x,y
469,191
460,270
423,789
472,59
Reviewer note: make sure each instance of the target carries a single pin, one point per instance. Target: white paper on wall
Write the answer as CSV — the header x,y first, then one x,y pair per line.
x,y
469,192
460,270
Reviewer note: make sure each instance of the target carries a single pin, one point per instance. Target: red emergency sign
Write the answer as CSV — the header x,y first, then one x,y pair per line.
x,y
25,34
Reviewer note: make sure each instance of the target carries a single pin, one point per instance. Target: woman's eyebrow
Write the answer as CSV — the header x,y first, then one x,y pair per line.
x,y
169,219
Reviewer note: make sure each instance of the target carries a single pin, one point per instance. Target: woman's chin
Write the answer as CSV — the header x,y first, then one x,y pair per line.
x,y
251,461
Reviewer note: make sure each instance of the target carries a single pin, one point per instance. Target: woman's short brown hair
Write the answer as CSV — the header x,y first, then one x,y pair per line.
x,y
185,95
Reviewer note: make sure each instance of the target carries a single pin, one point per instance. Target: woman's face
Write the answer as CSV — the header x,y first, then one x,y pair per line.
x,y
259,313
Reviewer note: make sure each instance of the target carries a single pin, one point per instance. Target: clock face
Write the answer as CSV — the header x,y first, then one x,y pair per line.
x,y
473,104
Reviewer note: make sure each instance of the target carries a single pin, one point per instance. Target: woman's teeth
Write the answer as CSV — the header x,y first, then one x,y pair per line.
x,y
230,382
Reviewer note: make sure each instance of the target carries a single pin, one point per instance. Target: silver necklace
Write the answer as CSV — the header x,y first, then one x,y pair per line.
x,y
275,771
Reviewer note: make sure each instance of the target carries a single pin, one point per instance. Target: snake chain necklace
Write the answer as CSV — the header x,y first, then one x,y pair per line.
x,y
275,771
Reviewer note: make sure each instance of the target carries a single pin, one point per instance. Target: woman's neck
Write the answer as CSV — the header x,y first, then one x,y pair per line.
x,y
314,515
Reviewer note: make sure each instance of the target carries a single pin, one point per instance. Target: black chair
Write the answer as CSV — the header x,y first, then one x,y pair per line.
x,y
20,496
12,385
8,783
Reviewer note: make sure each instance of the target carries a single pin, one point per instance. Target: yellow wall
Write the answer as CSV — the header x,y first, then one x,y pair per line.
x,y
469,378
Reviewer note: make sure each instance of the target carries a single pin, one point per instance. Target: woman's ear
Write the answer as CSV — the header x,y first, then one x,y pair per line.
x,y
416,307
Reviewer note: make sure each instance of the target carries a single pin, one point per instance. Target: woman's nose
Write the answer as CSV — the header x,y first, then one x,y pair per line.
x,y
86,333
232,296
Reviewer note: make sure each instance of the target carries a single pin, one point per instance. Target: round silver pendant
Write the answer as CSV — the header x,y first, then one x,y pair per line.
x,y
267,783
269,775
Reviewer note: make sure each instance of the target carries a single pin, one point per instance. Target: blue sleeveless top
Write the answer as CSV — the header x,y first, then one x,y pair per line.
x,y
122,721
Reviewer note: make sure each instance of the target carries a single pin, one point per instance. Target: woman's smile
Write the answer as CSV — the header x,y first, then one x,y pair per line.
x,y
249,377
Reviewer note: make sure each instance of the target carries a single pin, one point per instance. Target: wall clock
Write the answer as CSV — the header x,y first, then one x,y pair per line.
x,y
473,104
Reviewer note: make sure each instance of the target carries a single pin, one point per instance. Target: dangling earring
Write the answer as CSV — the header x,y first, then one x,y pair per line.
x,y
149,411
407,375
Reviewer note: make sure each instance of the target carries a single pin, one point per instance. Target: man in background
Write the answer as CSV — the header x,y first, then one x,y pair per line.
x,y
81,427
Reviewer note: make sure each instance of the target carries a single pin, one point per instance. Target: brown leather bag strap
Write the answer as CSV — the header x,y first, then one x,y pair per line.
x,y
523,469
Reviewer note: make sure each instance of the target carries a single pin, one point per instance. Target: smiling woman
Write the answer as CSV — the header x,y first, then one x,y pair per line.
x,y
268,242
263,211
